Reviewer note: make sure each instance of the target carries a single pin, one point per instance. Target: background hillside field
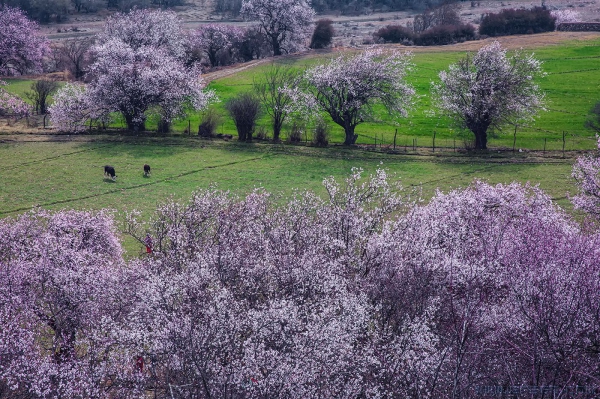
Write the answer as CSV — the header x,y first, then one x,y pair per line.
x,y
572,85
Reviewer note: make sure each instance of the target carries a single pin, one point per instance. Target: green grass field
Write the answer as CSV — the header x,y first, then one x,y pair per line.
x,y
572,86
58,172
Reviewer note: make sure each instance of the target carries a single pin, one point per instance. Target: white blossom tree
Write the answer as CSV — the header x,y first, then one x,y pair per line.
x,y
11,104
348,87
22,48
287,23
135,73
490,90
215,40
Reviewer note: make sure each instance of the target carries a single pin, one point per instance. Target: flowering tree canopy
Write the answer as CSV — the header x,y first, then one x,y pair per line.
x,y
565,16
11,104
146,28
287,23
362,293
347,88
21,46
216,39
490,90
134,74
586,172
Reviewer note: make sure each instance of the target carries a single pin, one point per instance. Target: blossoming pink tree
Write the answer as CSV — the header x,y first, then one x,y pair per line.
x,y
348,87
565,16
490,90
138,69
22,48
586,172
287,23
64,290
364,292
146,28
11,104
217,41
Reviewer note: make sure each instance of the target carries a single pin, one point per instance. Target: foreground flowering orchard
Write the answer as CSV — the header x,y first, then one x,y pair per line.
x,y
363,294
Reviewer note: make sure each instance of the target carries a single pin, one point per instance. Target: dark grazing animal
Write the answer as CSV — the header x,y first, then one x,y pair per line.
x,y
109,171
146,170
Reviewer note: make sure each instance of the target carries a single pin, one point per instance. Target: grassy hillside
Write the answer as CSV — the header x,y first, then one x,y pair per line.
x,y
66,171
571,84
58,174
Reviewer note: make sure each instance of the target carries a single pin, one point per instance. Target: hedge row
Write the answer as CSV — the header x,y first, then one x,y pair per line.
x,y
517,22
438,35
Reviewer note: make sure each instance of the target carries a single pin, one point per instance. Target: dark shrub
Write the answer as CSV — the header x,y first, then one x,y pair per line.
x,y
446,34
517,22
322,34
254,45
210,121
593,121
295,134
394,34
321,133
245,111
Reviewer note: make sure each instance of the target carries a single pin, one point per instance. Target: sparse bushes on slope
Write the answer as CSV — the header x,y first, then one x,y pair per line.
x,y
446,34
322,35
517,22
438,35
245,109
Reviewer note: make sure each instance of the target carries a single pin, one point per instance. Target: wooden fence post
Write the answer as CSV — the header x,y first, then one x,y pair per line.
x,y
545,146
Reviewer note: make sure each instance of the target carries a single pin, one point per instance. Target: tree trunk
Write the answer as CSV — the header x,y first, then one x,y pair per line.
x,y
481,139
164,126
276,45
350,136
276,130
135,126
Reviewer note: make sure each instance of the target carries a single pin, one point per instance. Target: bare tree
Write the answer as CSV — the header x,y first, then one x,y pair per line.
x,y
40,91
245,111
276,101
446,14
74,56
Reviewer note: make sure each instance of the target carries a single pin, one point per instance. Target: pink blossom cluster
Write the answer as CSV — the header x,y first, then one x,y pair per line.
x,y
366,292
22,49
138,71
348,87
12,105
565,16
216,42
287,23
586,172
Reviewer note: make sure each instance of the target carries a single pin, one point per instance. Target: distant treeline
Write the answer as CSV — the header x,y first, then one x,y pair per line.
x,y
45,11
347,6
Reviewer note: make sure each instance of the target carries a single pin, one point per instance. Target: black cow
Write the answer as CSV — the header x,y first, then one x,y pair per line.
x,y
146,170
109,171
